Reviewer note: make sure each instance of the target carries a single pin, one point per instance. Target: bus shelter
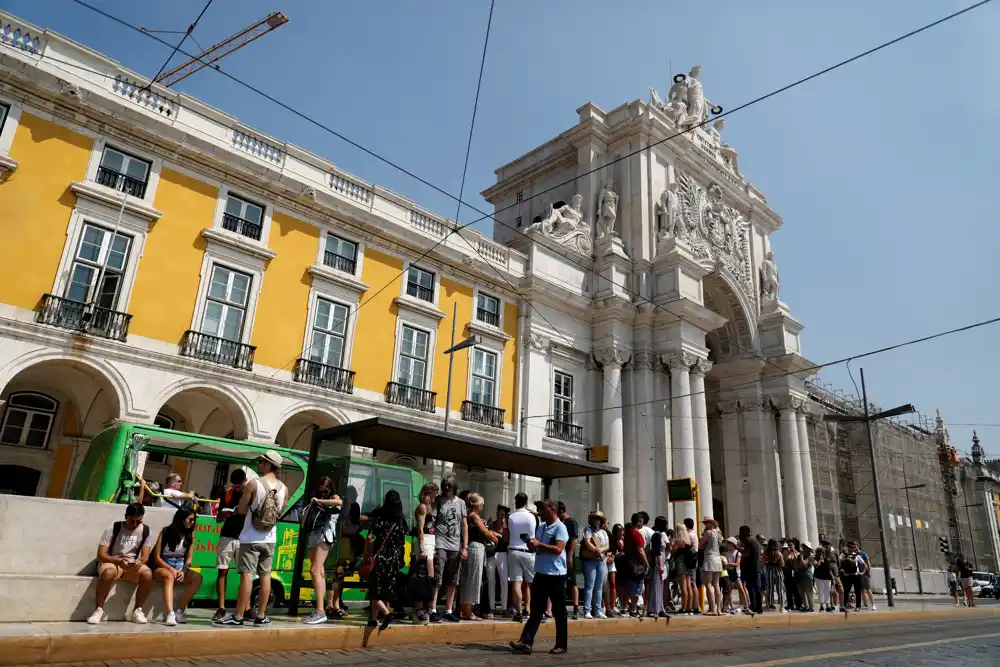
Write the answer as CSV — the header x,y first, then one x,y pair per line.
x,y
329,455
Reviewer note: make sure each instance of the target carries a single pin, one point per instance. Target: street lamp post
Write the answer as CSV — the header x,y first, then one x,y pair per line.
x,y
913,534
868,419
468,342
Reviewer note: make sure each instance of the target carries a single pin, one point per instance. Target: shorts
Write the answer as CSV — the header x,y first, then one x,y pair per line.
x,y
176,562
427,545
447,567
256,557
733,574
725,585
520,566
967,582
319,538
953,585
225,552
129,574
838,585
633,588
866,583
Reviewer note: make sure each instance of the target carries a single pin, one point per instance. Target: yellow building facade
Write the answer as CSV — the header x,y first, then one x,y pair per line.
x,y
166,264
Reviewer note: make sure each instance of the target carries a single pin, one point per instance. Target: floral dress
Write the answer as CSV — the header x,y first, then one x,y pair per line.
x,y
387,549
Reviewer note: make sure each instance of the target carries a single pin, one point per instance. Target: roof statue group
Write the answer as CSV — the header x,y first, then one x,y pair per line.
x,y
686,212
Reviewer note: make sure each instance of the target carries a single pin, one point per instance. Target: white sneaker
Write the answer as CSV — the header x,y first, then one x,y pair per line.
x,y
181,616
873,607
601,614
172,618
96,617
139,617
588,616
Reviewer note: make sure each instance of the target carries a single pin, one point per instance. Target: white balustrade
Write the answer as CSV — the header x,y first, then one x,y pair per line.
x,y
350,189
428,224
143,96
16,37
258,148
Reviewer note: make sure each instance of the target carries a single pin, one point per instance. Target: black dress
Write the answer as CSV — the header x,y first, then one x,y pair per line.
x,y
387,550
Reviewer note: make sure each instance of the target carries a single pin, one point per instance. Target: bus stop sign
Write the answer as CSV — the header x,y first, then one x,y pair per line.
x,y
680,490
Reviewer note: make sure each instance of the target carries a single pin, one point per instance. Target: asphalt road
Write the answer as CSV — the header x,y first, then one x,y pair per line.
x,y
965,642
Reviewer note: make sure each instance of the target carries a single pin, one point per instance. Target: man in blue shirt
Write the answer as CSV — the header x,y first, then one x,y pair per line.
x,y
549,584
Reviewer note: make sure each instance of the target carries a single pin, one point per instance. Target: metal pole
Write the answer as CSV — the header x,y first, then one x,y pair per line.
x,y
451,364
878,495
913,534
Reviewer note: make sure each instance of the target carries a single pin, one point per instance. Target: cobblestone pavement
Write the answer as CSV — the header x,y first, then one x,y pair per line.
x,y
965,642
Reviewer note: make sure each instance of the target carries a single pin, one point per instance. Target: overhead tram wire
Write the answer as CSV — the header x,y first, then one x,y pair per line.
x,y
550,189
173,53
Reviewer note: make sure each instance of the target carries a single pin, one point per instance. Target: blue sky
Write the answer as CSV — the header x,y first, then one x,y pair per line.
x,y
881,170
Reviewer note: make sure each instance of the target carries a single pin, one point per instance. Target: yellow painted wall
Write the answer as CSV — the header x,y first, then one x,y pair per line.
x,y
283,306
375,328
508,387
35,206
166,283
59,472
451,293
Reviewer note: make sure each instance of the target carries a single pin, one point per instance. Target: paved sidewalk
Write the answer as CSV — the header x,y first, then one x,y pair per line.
x,y
38,643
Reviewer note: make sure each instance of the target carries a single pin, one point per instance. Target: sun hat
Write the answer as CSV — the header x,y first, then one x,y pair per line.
x,y
272,457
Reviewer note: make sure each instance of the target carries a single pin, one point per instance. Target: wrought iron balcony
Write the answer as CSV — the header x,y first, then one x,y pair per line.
x,y
83,317
339,262
217,350
481,413
247,228
564,431
488,317
121,182
321,375
410,397
419,291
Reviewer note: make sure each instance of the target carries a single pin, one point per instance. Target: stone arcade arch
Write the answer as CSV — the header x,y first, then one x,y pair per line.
x,y
66,401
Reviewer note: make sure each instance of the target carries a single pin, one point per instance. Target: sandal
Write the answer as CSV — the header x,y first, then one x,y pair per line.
x,y
386,619
557,651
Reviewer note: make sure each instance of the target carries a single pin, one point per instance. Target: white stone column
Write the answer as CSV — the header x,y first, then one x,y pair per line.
x,y
732,454
681,426
646,493
612,501
630,426
808,490
702,457
663,465
793,496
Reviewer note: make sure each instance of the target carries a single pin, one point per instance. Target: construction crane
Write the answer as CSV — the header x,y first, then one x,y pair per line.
x,y
222,49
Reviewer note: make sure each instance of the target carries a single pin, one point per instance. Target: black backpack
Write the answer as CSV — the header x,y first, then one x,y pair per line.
x,y
849,565
116,528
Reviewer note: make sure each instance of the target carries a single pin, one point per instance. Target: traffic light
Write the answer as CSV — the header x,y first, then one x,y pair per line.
x,y
945,548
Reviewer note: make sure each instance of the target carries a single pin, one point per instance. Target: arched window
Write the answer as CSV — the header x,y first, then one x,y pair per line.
x,y
27,419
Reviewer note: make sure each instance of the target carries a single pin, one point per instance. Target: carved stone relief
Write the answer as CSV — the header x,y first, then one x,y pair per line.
x,y
615,356
565,225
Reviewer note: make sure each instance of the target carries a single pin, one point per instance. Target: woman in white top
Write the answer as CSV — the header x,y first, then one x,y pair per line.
x,y
593,551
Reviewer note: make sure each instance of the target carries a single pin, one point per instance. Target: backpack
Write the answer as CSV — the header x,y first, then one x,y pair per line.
x,y
116,528
849,565
268,512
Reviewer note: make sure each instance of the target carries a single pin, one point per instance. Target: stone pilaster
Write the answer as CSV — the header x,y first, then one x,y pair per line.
x,y
612,359
643,364
681,426
702,455
793,495
732,456
662,463
808,490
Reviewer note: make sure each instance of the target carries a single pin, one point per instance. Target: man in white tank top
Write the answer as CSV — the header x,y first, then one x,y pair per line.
x,y
256,551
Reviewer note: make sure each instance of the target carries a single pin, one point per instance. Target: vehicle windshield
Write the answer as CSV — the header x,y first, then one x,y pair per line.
x,y
980,575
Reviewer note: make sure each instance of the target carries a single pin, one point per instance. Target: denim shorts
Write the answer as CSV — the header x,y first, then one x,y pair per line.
x,y
176,562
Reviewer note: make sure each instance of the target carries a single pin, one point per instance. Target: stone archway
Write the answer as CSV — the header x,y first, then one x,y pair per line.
x,y
52,408
207,410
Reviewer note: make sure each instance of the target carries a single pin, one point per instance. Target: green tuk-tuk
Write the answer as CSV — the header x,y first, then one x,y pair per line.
x,y
110,472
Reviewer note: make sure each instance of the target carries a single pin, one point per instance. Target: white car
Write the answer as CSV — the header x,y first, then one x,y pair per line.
x,y
982,584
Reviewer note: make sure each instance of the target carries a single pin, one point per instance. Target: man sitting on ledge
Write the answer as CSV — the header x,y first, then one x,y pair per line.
x,y
122,554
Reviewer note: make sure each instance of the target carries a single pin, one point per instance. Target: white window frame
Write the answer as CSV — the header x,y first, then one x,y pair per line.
x,y
431,351
344,239
497,371
220,208
477,293
227,304
345,360
97,154
553,395
435,283
89,211
8,129
101,261
29,413
233,259
127,158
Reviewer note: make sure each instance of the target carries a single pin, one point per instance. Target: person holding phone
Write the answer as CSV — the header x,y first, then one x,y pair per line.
x,y
229,536
521,526
172,558
549,584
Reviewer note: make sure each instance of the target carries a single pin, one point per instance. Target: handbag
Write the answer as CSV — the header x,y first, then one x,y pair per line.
x,y
366,569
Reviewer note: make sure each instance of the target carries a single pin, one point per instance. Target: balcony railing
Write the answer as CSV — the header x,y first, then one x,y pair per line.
x,y
247,228
410,397
321,375
480,413
83,317
339,262
419,291
488,317
121,182
564,431
217,350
